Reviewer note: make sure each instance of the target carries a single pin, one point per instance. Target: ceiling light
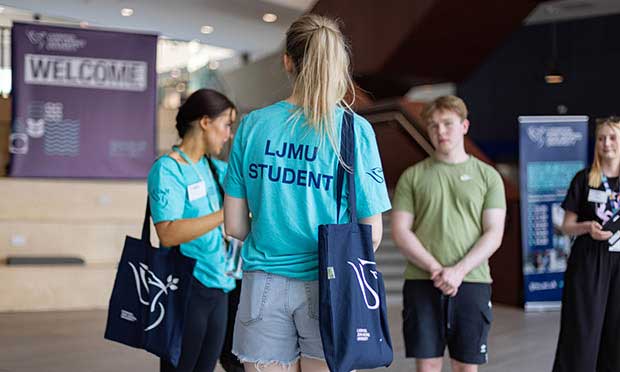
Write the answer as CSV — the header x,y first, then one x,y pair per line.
x,y
214,65
553,75
554,78
126,12
270,17
206,29
84,24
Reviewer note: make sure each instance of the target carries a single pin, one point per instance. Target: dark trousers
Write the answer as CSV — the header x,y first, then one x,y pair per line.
x,y
590,328
228,360
204,330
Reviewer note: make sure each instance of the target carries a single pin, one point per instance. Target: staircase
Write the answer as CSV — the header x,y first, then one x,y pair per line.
x,y
391,263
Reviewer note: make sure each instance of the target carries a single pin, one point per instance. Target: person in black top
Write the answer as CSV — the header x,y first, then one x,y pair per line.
x,y
589,338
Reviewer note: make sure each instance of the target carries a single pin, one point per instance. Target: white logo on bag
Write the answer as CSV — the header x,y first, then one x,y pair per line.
x,y
362,334
361,279
145,277
128,315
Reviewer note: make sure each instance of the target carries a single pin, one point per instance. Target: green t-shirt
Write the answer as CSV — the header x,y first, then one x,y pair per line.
x,y
447,201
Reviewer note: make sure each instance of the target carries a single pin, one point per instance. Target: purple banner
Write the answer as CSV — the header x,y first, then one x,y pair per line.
x,y
84,102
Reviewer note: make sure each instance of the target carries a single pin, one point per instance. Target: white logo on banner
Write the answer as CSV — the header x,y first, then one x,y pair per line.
x,y
361,279
37,38
56,41
145,277
553,136
35,127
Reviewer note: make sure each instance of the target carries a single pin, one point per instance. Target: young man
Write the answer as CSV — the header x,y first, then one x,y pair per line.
x,y
448,219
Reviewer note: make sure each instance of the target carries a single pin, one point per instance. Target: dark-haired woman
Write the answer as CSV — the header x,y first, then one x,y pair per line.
x,y
187,210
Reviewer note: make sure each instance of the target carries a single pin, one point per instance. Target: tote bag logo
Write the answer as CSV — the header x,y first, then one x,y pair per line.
x,y
363,283
145,278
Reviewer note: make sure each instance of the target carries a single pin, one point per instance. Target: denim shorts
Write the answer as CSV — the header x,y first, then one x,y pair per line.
x,y
277,320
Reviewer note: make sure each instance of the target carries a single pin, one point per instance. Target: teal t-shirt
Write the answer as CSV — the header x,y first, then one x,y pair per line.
x,y
288,176
168,183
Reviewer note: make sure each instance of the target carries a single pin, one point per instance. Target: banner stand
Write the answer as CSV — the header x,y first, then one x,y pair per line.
x,y
552,149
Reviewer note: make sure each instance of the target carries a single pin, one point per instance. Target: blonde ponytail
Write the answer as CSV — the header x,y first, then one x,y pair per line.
x,y
321,72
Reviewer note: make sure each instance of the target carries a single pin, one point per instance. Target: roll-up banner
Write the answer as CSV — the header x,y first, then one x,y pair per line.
x,y
84,102
552,149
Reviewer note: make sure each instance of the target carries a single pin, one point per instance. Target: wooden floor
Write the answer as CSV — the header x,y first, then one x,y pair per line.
x,y
73,342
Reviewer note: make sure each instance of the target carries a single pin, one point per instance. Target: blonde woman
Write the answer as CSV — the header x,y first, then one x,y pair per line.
x,y
282,169
590,324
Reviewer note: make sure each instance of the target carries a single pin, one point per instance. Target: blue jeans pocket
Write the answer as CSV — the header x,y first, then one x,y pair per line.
x,y
254,291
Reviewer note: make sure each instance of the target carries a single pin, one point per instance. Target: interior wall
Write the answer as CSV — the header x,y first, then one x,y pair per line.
x,y
258,84
511,82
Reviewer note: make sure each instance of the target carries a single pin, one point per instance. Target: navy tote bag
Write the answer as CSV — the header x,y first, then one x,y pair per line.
x,y
150,296
352,311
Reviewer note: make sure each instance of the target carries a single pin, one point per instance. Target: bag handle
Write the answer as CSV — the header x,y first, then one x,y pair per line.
x,y
347,153
215,177
146,224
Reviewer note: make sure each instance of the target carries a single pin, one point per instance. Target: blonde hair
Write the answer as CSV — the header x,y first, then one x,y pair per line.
x,y
445,103
321,74
596,173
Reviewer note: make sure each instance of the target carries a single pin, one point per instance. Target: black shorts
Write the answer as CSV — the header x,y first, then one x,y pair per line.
x,y
432,321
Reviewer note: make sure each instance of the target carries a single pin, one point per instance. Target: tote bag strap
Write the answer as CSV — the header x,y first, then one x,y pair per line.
x,y
215,177
146,224
347,152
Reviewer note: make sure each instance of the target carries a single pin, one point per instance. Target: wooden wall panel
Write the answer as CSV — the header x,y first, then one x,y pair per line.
x,y
71,200
36,288
93,242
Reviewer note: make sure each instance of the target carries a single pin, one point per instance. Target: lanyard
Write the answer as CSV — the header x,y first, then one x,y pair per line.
x,y
189,161
611,200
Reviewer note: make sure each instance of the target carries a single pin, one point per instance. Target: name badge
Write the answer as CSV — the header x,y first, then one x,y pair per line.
x,y
597,196
196,191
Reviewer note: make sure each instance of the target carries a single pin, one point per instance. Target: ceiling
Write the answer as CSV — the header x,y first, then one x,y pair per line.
x,y
563,10
237,24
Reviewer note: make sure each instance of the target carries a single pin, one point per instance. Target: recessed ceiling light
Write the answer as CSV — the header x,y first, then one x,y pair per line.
x,y
206,29
126,12
270,17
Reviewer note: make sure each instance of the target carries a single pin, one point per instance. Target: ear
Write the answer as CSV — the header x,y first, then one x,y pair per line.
x,y
204,122
465,126
289,66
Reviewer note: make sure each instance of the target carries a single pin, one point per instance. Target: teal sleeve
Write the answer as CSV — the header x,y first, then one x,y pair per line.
x,y
166,191
372,195
234,184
